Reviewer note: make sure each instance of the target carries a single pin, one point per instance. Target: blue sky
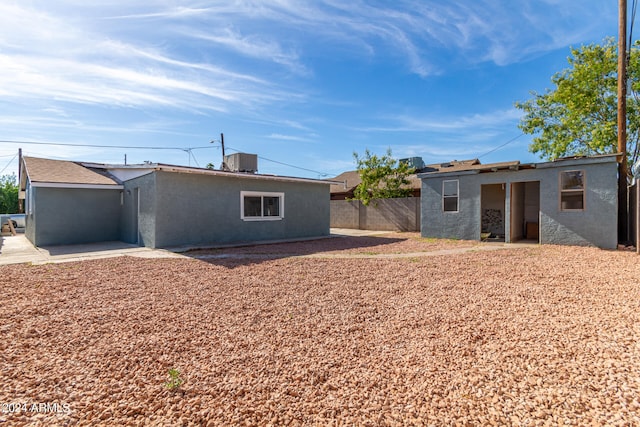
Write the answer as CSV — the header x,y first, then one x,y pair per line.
x,y
305,83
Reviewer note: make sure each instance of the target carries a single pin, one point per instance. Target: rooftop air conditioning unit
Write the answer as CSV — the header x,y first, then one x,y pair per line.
x,y
242,162
413,162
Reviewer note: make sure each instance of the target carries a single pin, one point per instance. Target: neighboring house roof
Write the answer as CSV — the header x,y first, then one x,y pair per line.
x,y
349,180
48,172
346,182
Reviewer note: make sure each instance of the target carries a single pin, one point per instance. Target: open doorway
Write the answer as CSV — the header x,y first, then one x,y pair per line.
x,y
492,206
525,211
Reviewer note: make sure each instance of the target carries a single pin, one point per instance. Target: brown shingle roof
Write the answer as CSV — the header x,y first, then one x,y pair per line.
x,y
350,180
63,172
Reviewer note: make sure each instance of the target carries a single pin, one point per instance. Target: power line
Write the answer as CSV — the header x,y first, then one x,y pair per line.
x,y
500,146
10,161
284,164
66,144
188,150
633,18
293,166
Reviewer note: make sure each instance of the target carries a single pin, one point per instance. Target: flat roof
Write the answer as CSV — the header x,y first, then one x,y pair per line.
x,y
516,165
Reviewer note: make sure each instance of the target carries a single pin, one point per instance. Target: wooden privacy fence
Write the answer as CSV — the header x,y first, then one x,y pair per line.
x,y
402,214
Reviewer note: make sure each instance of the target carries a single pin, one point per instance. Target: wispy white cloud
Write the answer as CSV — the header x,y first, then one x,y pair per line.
x,y
474,122
253,46
449,124
170,13
46,58
265,65
48,55
53,121
294,138
421,31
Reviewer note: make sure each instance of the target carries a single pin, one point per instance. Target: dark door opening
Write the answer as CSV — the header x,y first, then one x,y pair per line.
x,y
492,206
525,211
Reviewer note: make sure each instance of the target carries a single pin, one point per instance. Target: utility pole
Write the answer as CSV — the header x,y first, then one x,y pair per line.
x,y
623,224
20,201
224,163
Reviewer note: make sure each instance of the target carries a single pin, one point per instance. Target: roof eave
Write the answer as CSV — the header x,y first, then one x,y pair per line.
x,y
180,169
429,175
76,185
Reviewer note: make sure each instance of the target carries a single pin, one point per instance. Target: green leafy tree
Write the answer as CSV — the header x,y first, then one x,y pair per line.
x,y
382,177
8,194
579,115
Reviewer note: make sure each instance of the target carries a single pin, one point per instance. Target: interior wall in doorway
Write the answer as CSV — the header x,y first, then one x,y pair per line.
x,y
492,206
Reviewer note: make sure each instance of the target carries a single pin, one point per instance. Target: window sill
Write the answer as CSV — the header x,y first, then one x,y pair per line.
x,y
263,218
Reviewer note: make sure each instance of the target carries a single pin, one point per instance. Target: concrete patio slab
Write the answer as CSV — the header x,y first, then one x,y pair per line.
x,y
17,249
338,232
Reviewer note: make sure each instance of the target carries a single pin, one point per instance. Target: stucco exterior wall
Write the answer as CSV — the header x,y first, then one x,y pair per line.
x,y
193,209
595,225
30,224
64,216
138,213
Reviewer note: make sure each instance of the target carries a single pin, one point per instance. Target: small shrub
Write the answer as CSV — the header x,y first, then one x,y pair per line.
x,y
174,380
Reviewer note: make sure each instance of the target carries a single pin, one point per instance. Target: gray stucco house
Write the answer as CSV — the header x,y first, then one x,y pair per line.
x,y
571,201
159,205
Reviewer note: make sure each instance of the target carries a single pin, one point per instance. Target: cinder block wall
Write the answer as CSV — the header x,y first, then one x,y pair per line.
x,y
385,214
345,214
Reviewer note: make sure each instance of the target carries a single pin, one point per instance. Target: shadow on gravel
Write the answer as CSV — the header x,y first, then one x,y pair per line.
x,y
257,253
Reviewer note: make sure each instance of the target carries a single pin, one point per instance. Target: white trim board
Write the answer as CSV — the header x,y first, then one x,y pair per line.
x,y
69,185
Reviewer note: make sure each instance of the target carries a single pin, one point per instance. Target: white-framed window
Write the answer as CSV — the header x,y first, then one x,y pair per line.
x,y
450,195
261,206
572,185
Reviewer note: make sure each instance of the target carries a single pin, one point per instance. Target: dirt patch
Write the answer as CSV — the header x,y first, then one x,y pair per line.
x,y
535,336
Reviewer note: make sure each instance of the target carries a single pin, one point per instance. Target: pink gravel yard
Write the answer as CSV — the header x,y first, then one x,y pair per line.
x,y
543,335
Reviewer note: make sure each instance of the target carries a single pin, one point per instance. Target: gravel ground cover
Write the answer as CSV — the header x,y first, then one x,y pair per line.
x,y
546,335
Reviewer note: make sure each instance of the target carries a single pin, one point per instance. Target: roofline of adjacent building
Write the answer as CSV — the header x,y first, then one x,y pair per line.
x,y
201,171
151,167
515,166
